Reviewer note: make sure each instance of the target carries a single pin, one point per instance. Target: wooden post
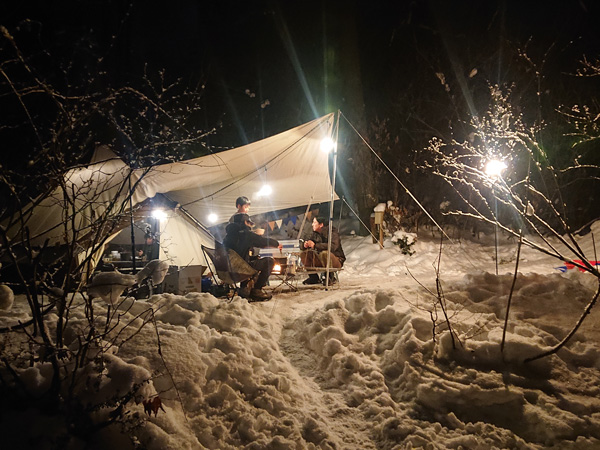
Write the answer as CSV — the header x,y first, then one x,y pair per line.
x,y
373,228
379,224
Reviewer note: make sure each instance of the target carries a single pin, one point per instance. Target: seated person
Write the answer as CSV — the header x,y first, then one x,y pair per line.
x,y
315,252
243,206
241,239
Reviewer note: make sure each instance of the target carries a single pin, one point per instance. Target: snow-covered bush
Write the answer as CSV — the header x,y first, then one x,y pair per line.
x,y
529,195
61,355
394,221
404,241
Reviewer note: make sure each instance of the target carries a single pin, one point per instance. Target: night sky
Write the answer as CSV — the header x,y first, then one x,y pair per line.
x,y
267,66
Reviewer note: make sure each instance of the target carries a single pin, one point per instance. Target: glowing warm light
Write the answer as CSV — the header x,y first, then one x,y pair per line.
x,y
327,145
159,214
264,191
276,268
212,218
494,168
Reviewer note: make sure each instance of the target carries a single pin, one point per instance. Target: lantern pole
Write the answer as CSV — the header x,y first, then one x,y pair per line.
x,y
336,130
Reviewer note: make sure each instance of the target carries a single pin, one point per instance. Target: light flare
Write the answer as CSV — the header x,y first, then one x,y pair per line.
x,y
265,191
494,168
159,214
327,145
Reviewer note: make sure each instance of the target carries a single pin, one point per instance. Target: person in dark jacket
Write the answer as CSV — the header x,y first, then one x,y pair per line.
x,y
151,249
241,239
315,252
243,206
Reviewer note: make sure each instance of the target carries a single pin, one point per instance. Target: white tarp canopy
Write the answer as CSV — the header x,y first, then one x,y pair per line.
x,y
291,163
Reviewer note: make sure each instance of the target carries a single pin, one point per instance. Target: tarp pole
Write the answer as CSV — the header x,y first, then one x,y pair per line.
x,y
131,224
337,129
304,218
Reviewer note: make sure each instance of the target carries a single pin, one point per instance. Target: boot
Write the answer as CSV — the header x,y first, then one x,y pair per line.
x,y
332,278
258,295
244,292
313,278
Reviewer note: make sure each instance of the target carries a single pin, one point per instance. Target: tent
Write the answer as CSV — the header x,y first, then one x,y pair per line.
x,y
291,163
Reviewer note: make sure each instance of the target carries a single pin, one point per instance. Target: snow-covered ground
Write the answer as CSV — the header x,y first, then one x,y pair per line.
x,y
359,366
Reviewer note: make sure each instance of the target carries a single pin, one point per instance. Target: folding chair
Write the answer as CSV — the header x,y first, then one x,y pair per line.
x,y
231,268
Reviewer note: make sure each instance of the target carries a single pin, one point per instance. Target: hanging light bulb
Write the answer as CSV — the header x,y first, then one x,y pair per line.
x,y
265,191
159,214
212,218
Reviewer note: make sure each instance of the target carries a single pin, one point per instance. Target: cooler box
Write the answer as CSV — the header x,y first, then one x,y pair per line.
x,y
187,279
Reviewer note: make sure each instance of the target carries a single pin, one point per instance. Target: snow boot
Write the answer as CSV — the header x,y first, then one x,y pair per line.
x,y
258,295
313,278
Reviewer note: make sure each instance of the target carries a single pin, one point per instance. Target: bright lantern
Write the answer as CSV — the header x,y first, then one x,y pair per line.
x,y
327,145
159,214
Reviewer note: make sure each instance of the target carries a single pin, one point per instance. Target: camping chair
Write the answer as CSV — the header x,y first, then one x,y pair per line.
x,y
231,268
